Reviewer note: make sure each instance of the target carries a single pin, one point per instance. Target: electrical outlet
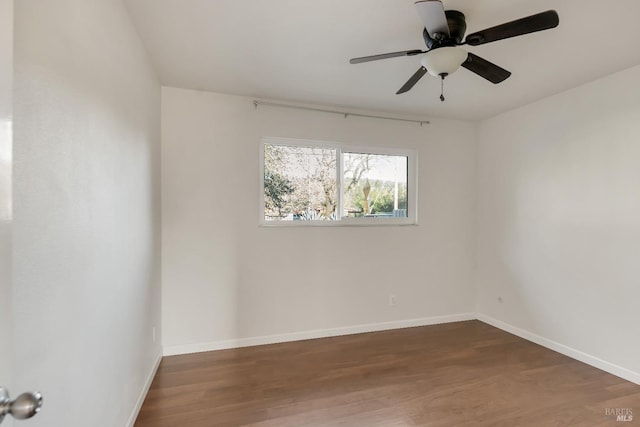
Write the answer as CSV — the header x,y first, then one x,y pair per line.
x,y
393,300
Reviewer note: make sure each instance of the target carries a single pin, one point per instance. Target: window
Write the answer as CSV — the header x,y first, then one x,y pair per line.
x,y
313,183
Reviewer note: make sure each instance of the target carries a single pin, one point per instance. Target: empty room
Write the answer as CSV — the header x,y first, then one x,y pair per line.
x,y
291,213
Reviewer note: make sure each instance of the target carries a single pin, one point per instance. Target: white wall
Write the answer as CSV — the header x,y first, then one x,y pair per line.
x,y
225,278
559,219
86,211
6,108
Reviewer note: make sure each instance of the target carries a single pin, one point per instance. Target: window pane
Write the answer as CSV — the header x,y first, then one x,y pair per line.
x,y
375,186
300,183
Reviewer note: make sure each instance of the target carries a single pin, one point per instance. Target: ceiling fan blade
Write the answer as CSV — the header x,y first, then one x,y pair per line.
x,y
530,24
412,80
486,69
432,14
385,56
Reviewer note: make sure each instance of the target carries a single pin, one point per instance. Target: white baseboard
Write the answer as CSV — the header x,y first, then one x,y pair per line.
x,y
596,362
145,390
320,333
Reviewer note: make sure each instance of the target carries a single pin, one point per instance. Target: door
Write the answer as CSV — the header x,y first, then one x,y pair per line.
x,y
6,72
22,406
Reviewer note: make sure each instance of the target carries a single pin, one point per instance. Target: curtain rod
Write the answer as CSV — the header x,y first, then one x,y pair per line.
x,y
345,114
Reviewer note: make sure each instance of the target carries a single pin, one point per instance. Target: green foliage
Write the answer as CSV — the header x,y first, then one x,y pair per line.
x,y
276,190
277,187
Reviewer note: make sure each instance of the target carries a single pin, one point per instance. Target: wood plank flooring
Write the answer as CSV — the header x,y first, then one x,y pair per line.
x,y
457,374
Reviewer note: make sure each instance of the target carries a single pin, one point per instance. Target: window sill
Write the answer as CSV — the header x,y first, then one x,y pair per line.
x,y
343,223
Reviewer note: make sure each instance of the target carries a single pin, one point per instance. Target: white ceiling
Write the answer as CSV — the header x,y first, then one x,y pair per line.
x,y
299,50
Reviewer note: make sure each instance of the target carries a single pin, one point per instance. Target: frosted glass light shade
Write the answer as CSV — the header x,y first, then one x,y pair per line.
x,y
444,60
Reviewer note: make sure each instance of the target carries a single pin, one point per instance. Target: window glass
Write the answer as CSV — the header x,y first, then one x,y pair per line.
x,y
321,184
300,183
375,185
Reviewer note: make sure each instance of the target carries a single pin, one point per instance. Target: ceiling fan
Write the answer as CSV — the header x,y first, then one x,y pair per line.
x,y
443,34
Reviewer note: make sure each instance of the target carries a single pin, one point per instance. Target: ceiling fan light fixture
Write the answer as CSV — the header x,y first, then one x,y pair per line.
x,y
444,60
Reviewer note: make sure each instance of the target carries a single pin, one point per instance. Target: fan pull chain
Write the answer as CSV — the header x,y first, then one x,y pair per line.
x,y
442,76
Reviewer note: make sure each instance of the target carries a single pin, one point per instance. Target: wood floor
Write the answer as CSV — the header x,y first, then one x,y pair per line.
x,y
457,374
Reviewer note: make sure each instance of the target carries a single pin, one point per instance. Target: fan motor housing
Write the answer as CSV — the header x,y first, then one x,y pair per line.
x,y
457,27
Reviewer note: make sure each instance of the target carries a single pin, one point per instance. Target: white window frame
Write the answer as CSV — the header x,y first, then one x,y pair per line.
x,y
341,221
